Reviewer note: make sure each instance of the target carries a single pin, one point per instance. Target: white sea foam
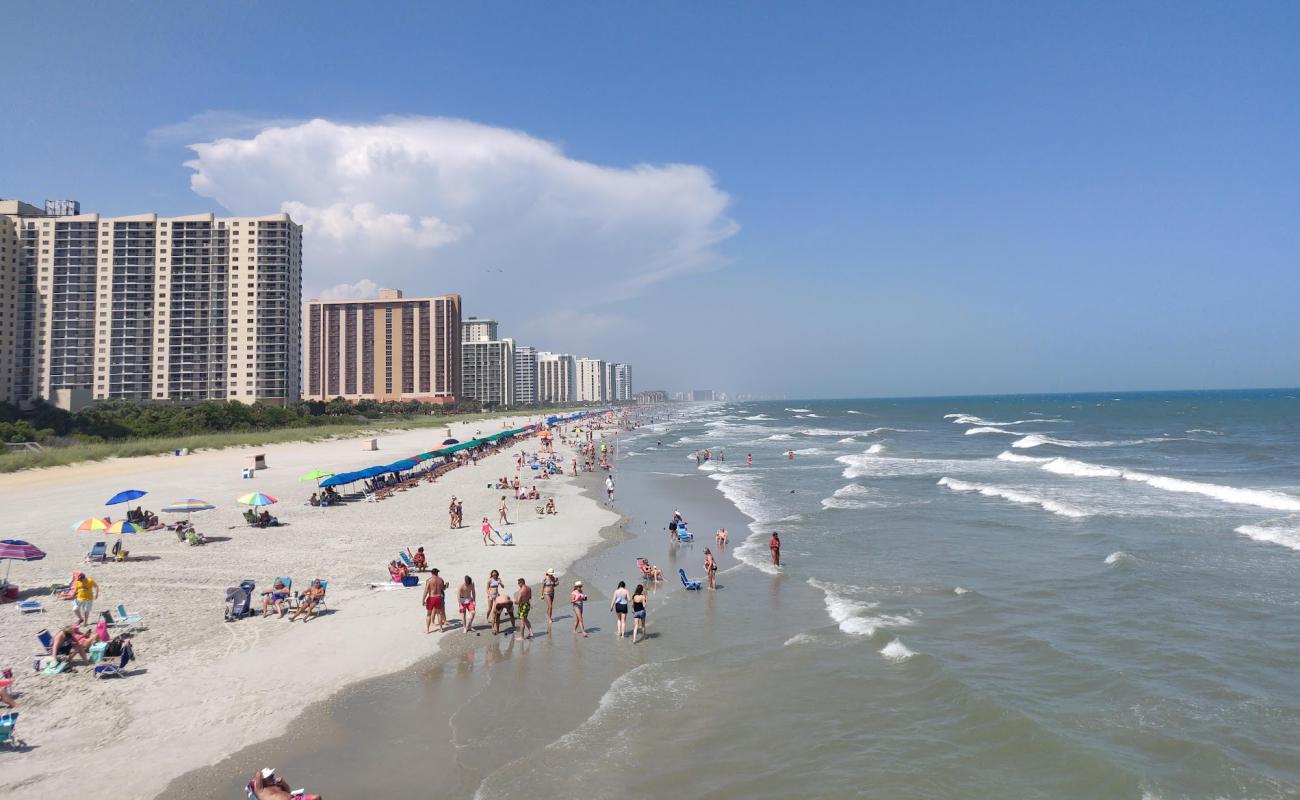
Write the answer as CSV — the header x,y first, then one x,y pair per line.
x,y
851,411
969,419
960,591
878,431
853,496
1203,430
1117,557
875,449
799,638
1285,535
824,432
799,410
1037,440
850,614
1263,498
870,465
670,474
780,437
812,451
987,429
847,440
896,651
1019,459
1015,496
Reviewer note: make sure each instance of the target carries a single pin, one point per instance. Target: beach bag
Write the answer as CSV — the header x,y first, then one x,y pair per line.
x,y
411,580
114,648
101,631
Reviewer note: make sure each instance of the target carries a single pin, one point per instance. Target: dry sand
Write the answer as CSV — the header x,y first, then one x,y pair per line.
x,y
204,688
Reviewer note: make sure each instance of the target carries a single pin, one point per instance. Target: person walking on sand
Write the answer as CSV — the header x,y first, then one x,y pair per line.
x,y
775,546
710,567
451,513
549,582
576,599
609,488
466,596
487,532
524,604
501,512
87,593
638,612
435,612
618,604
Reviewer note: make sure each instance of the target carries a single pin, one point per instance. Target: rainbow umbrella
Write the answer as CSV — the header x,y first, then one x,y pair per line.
x,y
256,499
122,526
92,525
188,506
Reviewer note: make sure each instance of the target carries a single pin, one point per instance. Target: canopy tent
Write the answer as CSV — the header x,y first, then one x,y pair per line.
x,y
343,478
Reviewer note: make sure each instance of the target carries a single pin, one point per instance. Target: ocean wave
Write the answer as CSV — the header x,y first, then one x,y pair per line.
x,y
878,431
759,418
671,474
875,449
1203,430
850,614
780,437
799,638
870,465
851,411
851,497
896,651
847,440
1037,440
970,419
1019,459
957,590
1117,557
824,432
987,429
1285,535
1015,496
813,451
1263,498
799,410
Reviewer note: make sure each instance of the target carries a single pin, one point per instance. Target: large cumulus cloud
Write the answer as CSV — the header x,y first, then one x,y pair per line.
x,y
448,205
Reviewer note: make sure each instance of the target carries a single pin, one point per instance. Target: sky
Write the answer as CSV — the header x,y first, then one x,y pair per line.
x,y
781,199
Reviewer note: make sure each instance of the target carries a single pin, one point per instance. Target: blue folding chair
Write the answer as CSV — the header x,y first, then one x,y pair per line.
x,y
688,583
7,723
117,670
98,553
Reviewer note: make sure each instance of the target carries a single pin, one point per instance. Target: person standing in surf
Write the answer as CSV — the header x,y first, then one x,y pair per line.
x,y
549,582
774,544
576,599
638,612
618,604
466,596
710,567
749,459
524,604
435,612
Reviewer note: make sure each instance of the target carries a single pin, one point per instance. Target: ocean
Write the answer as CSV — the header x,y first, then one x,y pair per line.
x,y
1083,596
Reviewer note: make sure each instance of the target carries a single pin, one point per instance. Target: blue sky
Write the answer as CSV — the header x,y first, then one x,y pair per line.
x,y
877,199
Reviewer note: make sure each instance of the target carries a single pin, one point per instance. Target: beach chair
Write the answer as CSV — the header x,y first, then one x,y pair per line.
x,y
125,619
98,553
684,535
688,583
250,516
46,640
30,606
7,723
406,559
69,590
117,670
644,565
193,538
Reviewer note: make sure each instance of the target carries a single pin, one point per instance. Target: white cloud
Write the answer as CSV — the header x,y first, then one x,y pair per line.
x,y
361,290
433,205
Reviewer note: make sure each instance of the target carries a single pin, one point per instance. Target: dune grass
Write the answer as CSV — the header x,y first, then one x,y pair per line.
x,y
126,448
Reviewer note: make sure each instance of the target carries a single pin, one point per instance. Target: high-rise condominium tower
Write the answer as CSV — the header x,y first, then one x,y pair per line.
x,y
391,348
149,308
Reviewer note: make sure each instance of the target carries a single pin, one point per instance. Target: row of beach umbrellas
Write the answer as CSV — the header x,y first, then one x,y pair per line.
x,y
187,507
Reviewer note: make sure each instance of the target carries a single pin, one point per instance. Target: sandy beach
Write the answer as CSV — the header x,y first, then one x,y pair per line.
x,y
203,688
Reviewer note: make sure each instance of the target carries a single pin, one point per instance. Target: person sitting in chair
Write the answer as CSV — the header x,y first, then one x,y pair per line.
x,y
277,597
265,520
309,600
315,500
67,641
550,506
419,560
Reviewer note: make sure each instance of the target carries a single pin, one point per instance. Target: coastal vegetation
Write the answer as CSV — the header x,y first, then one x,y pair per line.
x,y
122,428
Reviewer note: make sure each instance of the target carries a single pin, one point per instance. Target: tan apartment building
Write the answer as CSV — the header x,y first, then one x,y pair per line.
x,y
144,307
391,348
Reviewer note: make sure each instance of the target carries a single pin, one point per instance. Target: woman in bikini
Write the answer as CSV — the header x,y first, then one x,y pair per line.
x,y
618,604
549,582
638,612
467,596
487,532
576,599
710,567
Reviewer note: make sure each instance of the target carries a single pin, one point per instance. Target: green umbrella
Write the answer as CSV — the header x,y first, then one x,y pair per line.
x,y
317,475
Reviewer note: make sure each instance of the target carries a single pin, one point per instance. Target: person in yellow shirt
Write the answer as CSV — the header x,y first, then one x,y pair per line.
x,y
87,594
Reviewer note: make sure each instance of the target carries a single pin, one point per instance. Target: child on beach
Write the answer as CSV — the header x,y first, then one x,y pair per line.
x,y
487,532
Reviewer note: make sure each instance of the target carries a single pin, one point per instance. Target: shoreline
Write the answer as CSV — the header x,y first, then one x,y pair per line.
x,y
211,779
201,686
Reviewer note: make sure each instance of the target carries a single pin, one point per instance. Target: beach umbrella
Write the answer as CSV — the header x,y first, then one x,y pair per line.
x,y
92,525
451,441
12,550
188,506
122,526
125,497
257,499
316,475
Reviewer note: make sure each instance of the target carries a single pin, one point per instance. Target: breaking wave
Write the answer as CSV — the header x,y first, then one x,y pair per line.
x,y
1015,496
799,410
851,615
1037,440
969,419
1285,535
896,651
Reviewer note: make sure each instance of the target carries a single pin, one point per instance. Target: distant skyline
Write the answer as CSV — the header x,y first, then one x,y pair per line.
x,y
827,199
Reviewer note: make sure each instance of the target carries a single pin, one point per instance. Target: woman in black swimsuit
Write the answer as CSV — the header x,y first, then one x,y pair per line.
x,y
638,612
710,567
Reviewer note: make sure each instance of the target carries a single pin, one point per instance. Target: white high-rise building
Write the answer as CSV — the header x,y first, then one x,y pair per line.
x,y
591,380
556,378
621,387
144,307
525,374
478,330
488,372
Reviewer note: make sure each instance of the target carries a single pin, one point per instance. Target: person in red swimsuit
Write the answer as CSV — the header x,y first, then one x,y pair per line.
x,y
775,546
434,607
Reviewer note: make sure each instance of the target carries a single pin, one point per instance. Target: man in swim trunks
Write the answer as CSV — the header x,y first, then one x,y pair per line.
x,y
434,605
503,602
524,600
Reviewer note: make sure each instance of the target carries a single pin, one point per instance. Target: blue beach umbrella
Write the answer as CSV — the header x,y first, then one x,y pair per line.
x,y
125,497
